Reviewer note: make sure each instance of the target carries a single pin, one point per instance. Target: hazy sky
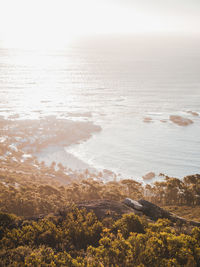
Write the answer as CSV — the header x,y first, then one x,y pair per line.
x,y
57,21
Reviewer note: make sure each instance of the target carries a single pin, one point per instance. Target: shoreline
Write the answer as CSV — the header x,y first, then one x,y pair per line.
x,y
46,141
58,154
47,138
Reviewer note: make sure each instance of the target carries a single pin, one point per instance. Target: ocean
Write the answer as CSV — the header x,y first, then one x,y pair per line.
x,y
116,82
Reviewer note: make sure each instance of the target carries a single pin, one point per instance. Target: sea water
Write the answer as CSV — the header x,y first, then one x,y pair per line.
x,y
116,83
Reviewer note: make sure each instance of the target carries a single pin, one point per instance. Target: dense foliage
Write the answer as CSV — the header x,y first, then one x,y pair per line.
x,y
78,238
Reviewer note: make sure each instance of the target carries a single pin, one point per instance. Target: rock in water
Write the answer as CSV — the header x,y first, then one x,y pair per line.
x,y
181,121
147,119
149,176
193,113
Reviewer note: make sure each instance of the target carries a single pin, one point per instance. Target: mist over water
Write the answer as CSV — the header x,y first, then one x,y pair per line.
x,y
116,83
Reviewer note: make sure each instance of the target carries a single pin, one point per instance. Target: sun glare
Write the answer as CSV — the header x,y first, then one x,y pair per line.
x,y
49,23
38,24
55,23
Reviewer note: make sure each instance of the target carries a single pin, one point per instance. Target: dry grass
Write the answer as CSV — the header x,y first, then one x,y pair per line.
x,y
187,212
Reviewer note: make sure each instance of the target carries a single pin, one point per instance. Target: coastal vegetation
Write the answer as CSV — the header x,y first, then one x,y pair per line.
x,y
42,223
80,239
38,191
32,235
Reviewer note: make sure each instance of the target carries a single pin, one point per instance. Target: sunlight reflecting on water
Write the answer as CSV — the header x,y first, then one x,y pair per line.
x,y
117,86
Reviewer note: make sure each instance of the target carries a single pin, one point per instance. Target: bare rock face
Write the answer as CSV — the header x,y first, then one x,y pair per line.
x,y
149,209
181,121
154,212
133,204
149,176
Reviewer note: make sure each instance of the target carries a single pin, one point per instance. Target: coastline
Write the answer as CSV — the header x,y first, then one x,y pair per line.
x,y
58,154
46,139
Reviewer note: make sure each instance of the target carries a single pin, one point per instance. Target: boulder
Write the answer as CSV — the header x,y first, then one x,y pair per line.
x,y
147,119
149,176
181,121
193,113
154,212
133,204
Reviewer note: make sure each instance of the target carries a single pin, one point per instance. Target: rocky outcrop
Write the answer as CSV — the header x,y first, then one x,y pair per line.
x,y
108,208
133,204
147,119
149,176
115,209
181,121
193,113
154,213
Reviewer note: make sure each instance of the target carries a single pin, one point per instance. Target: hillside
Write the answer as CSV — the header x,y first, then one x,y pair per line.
x,y
101,233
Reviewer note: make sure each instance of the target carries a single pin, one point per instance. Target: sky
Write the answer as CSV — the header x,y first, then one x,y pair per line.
x,y
56,22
